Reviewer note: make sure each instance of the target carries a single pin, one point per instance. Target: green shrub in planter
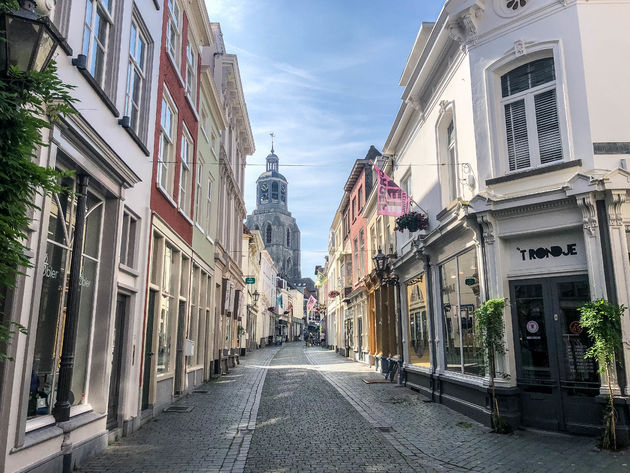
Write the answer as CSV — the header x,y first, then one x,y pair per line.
x,y
602,322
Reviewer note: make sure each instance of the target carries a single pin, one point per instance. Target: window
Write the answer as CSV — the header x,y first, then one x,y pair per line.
x,y
207,222
172,30
362,253
531,115
451,162
354,209
288,238
168,308
268,234
274,191
418,323
135,77
355,261
128,240
191,71
199,191
166,153
460,298
185,177
96,30
360,199
55,276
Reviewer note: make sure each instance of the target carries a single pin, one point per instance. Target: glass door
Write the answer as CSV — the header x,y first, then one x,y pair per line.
x,y
558,386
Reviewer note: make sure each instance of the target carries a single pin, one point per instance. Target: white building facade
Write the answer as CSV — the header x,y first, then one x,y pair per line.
x,y
511,140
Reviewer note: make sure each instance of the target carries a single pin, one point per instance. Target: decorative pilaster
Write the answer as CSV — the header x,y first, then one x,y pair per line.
x,y
592,245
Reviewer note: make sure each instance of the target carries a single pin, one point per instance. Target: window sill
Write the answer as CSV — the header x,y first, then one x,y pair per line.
x,y
99,91
210,239
534,172
128,269
166,195
181,211
137,140
200,228
192,106
176,68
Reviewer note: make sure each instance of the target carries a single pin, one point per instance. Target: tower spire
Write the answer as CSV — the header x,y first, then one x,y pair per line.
x,y
272,134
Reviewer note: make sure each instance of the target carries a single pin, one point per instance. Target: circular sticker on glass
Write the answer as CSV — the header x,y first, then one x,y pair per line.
x,y
532,326
575,327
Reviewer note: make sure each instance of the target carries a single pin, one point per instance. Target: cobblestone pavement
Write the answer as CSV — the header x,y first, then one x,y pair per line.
x,y
305,425
435,436
298,410
213,437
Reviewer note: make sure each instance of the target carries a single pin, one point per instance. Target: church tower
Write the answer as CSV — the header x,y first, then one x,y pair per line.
x,y
272,218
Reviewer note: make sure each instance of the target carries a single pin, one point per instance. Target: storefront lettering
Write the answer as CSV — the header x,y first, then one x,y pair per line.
x,y
49,272
542,253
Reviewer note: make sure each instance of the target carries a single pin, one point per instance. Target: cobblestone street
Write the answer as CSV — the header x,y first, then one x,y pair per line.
x,y
297,409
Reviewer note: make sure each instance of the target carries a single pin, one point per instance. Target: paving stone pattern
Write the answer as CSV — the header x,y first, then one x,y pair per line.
x,y
305,425
213,437
303,409
440,438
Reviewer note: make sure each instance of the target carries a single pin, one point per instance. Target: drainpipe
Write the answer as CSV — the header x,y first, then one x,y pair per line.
x,y
428,279
61,411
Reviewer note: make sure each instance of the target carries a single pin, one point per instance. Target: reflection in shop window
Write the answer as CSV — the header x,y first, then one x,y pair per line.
x,y
418,323
460,298
168,308
56,269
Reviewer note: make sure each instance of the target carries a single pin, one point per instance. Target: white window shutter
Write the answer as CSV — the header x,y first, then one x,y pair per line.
x,y
549,140
516,133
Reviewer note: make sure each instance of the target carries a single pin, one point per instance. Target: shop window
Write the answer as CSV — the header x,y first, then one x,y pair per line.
x,y
51,319
418,323
460,298
532,130
128,240
168,308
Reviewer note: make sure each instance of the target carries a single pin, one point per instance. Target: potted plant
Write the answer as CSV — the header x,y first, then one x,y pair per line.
x,y
602,322
333,293
412,221
490,331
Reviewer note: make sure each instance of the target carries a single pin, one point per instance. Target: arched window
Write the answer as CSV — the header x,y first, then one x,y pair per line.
x,y
288,264
288,237
447,155
274,191
268,234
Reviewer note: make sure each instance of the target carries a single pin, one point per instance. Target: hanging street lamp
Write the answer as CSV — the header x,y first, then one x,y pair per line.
x,y
27,40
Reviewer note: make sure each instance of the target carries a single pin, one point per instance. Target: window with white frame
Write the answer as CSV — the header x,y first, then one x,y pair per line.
x,y
185,177
191,70
208,203
173,33
128,240
136,77
451,162
532,130
96,31
166,151
199,192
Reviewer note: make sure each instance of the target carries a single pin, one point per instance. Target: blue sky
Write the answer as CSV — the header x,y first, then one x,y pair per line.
x,y
323,76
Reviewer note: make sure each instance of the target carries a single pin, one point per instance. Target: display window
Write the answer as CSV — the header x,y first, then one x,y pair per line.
x,y
459,285
418,322
53,301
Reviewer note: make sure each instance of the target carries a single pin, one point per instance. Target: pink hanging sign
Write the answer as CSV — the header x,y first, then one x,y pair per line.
x,y
392,200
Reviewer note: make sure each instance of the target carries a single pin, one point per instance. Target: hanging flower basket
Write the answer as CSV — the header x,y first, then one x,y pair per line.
x,y
271,309
412,221
333,293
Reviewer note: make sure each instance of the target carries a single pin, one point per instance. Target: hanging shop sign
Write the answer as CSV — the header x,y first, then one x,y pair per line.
x,y
250,280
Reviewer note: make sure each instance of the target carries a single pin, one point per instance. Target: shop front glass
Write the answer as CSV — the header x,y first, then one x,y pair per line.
x,y
460,298
418,323
52,311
